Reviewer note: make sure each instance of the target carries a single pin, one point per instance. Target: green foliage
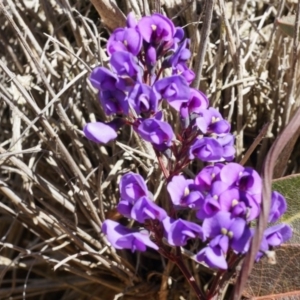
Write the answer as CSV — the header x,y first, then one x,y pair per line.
x,y
289,186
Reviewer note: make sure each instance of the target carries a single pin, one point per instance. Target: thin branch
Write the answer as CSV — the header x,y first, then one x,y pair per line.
x,y
205,30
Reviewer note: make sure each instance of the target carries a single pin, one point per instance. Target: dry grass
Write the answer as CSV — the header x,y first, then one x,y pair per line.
x,y
56,187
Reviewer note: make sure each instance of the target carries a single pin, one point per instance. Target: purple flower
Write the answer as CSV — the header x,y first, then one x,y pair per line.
x,y
150,57
124,207
103,79
178,232
143,99
184,192
207,175
158,133
132,187
278,234
145,209
183,70
239,203
181,55
126,66
274,236
197,102
179,35
211,121
131,21
206,149
125,39
213,256
121,237
278,207
245,179
209,207
174,89
227,231
236,190
156,29
114,102
99,132
227,143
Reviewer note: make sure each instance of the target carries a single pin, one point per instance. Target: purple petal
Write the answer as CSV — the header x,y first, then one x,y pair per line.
x,y
206,149
131,21
213,257
114,231
207,175
223,223
183,70
103,79
143,99
124,208
194,199
209,208
125,64
222,241
136,241
241,244
99,132
278,234
150,56
145,209
179,34
132,187
156,28
177,232
174,89
250,181
181,55
125,39
230,173
158,133
177,188
114,102
278,207
123,238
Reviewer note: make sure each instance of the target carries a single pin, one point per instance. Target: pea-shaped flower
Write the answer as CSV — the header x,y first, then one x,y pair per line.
x,y
206,149
121,237
145,209
132,187
157,29
184,193
228,230
125,39
278,206
174,89
158,133
178,232
99,132
225,232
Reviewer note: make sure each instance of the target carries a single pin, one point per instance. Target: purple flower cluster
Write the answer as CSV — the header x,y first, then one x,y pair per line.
x,y
133,90
224,198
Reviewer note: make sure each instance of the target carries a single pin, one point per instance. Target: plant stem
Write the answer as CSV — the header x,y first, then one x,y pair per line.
x,y
189,277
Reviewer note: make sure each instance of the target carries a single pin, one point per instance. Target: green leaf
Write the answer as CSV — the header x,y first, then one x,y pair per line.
x,y
289,187
278,281
287,25
274,280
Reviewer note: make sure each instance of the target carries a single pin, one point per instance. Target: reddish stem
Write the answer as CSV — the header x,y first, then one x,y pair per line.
x,y
189,277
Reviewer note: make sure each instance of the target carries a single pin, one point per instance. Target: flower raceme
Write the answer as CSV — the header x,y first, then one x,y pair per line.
x,y
224,207
133,90
224,198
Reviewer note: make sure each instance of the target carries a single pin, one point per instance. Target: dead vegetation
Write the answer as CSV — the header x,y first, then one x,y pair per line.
x,y
56,187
